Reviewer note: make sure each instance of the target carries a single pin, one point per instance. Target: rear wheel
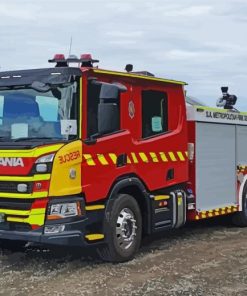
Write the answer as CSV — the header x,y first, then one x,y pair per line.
x,y
240,218
123,230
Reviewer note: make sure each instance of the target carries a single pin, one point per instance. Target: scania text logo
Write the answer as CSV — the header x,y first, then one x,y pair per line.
x,y
11,161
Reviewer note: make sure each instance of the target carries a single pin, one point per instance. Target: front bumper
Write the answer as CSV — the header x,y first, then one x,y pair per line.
x,y
74,233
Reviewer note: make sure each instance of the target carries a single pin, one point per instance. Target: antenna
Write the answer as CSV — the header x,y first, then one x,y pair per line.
x,y
70,45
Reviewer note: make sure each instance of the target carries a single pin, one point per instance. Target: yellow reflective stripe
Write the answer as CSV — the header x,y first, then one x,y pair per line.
x,y
95,207
36,216
163,156
154,157
128,160
44,150
26,179
161,197
135,160
36,152
143,157
180,155
102,159
172,156
94,236
186,153
23,195
113,157
89,159
14,212
139,76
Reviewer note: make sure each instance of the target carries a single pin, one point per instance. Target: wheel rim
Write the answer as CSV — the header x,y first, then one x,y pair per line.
x,y
126,229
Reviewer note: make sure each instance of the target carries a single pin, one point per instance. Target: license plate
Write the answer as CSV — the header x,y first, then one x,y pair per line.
x,y
2,217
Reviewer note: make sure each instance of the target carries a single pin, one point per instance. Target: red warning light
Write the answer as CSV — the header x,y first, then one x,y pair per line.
x,y
59,56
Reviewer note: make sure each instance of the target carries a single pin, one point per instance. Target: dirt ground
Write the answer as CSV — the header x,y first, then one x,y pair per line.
x,y
209,258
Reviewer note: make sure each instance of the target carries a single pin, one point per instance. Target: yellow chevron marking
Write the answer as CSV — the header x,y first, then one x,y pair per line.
x,y
172,156
102,159
128,160
143,157
94,236
163,156
154,157
113,157
135,160
89,159
95,207
180,155
161,197
186,153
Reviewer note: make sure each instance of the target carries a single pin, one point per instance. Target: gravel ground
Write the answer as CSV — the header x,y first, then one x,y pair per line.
x,y
209,258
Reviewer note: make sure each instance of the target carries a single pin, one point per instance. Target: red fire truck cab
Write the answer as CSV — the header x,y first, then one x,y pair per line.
x,y
91,157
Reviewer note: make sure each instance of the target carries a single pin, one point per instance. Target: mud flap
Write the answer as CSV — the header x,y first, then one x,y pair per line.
x,y
179,213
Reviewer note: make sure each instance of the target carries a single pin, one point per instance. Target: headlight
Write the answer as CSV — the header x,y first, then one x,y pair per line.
x,y
43,164
46,158
64,210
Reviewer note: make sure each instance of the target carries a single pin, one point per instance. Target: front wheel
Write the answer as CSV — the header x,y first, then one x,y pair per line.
x,y
240,218
123,230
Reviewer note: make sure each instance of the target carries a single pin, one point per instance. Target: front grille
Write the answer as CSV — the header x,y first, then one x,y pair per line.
x,y
16,204
11,187
13,226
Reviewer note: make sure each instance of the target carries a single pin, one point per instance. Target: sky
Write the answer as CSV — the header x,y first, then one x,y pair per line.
x,y
201,42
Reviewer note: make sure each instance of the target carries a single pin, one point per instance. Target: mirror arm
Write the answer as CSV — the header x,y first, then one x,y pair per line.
x,y
91,140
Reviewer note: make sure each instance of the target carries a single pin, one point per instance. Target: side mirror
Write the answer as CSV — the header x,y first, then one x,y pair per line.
x,y
40,86
108,118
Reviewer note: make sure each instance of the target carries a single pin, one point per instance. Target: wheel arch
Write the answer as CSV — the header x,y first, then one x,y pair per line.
x,y
133,186
243,187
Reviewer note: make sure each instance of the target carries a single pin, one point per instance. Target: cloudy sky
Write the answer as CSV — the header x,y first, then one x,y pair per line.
x,y
201,42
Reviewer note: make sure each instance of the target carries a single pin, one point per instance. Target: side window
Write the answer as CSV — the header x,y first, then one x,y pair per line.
x,y
1,109
103,108
154,113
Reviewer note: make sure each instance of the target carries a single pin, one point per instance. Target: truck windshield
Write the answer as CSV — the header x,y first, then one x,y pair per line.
x,y
27,114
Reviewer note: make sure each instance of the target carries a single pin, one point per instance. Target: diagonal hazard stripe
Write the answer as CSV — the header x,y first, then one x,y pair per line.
x,y
89,159
102,159
180,156
143,156
113,157
154,157
172,156
135,160
163,156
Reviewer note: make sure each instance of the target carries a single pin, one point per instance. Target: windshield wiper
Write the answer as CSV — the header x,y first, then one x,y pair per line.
x,y
37,138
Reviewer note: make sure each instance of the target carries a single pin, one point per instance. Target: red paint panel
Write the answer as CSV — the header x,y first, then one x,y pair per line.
x,y
15,167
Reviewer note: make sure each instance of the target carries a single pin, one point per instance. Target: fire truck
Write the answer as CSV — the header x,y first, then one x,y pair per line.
x,y
97,158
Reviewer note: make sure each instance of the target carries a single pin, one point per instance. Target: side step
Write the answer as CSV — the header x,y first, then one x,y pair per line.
x,y
168,211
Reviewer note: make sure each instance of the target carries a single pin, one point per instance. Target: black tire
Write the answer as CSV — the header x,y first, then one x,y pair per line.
x,y
122,247
240,218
